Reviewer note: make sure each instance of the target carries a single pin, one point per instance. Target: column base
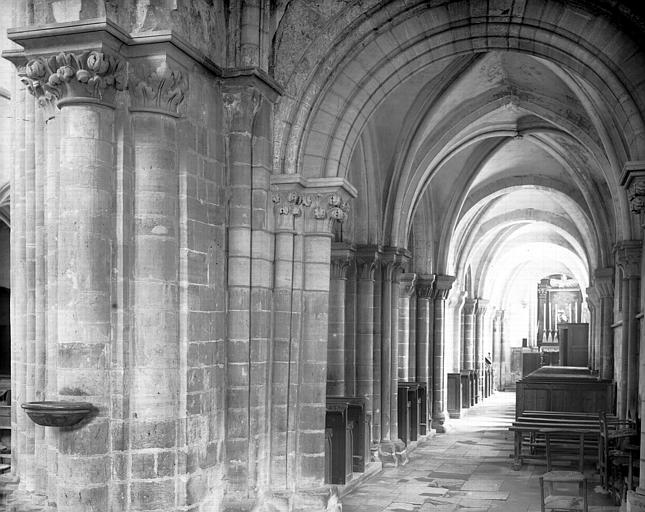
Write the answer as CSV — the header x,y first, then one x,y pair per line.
x,y
392,453
323,499
438,423
636,500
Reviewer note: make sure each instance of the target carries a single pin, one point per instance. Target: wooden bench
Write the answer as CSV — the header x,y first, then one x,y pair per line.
x,y
534,428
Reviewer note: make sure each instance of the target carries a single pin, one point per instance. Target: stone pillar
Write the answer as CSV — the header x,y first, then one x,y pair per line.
x,y
241,104
386,377
287,289
155,369
468,335
376,352
83,86
442,286
316,207
412,336
480,367
498,349
392,258
424,335
366,263
407,282
628,258
454,307
604,286
594,360
633,179
341,258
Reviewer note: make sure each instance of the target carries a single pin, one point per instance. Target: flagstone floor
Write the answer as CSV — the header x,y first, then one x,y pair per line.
x,y
467,469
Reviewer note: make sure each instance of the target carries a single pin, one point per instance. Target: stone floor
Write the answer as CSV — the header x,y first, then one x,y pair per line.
x,y
468,469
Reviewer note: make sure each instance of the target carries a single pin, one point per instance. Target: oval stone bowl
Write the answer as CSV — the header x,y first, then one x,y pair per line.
x,y
57,414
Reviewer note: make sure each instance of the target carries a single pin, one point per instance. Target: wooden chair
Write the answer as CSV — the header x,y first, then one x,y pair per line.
x,y
615,463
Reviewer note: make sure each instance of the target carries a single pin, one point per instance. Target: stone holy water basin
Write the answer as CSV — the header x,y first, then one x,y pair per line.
x,y
58,414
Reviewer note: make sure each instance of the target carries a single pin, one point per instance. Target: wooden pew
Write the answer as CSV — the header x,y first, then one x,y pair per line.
x,y
535,429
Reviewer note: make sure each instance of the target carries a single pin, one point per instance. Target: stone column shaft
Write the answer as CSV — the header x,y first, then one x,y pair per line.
x,y
468,317
423,336
482,305
156,357
604,287
340,263
85,241
394,356
366,265
442,286
386,351
406,288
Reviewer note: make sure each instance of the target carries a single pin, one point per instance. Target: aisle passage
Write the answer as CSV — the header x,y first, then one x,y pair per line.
x,y
468,469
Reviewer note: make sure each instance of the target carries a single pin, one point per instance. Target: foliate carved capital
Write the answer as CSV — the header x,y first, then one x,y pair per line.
x,y
408,281
157,89
320,209
367,259
69,77
604,282
628,257
287,206
323,202
342,260
425,284
442,286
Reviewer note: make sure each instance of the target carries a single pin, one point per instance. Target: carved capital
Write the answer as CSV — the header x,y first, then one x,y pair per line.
x,y
633,180
408,281
394,260
155,87
67,78
342,259
482,307
322,202
604,282
240,106
425,284
287,206
470,306
442,285
628,257
366,261
593,297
